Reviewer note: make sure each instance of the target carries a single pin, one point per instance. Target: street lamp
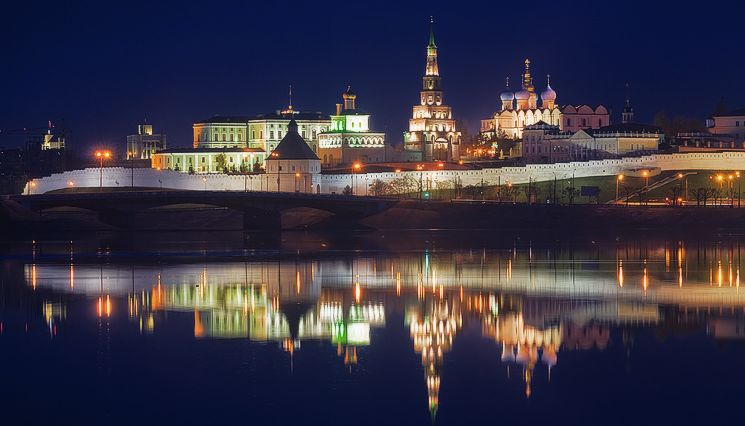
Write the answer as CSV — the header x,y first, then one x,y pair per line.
x,y
355,168
421,177
101,155
204,179
297,175
131,157
731,189
618,182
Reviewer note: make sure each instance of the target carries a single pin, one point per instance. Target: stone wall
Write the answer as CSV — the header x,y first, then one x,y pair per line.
x,y
122,177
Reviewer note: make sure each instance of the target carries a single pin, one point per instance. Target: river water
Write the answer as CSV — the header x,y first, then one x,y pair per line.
x,y
372,329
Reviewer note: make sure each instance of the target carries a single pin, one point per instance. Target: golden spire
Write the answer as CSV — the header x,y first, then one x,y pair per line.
x,y
527,79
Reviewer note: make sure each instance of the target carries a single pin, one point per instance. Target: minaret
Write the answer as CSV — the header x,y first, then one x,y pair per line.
x,y
627,116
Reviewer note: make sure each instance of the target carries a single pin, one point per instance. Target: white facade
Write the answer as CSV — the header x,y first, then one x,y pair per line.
x,y
221,132
732,124
266,132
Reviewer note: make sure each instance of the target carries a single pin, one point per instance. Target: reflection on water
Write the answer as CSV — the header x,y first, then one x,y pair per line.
x,y
536,305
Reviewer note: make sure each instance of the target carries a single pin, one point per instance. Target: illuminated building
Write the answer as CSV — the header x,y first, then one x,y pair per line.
x,y
349,138
520,109
432,134
221,132
144,143
224,144
209,160
220,146
576,118
265,131
293,166
730,123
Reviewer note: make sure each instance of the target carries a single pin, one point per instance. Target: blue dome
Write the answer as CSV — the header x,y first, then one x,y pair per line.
x,y
507,96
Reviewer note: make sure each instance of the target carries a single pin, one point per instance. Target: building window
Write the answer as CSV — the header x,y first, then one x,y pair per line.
x,y
737,124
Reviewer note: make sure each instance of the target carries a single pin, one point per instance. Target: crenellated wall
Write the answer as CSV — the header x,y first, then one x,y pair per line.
x,y
122,177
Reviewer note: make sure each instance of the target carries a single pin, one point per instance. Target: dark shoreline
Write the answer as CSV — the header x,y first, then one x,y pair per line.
x,y
406,215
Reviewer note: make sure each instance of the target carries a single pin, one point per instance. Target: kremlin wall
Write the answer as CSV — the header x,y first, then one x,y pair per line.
x,y
114,177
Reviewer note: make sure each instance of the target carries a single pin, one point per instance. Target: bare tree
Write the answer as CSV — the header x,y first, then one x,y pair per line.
x,y
378,187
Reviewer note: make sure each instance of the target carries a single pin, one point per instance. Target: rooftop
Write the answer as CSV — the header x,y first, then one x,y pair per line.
x,y
206,150
625,128
734,113
293,146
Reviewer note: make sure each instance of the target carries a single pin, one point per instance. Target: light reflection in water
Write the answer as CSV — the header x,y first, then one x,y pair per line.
x,y
546,304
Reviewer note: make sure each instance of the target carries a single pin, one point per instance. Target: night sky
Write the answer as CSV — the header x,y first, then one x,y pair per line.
x,y
99,68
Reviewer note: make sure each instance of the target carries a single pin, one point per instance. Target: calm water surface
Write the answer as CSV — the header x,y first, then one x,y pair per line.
x,y
405,329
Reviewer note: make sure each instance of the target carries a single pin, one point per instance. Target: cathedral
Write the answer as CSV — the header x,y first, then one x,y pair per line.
x,y
520,109
432,134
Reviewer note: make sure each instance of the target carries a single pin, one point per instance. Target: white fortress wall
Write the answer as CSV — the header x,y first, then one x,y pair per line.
x,y
122,177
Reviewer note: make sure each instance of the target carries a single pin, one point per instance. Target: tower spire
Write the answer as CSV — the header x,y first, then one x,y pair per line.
x,y
527,79
290,105
432,32
432,69
627,116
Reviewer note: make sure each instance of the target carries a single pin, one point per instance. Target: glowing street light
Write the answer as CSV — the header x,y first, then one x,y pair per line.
x,y
101,155
618,181
355,168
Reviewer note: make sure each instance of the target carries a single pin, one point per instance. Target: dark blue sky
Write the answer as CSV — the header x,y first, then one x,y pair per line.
x,y
101,67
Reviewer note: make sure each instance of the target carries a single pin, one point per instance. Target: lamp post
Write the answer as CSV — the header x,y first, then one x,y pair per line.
x,y
421,177
204,179
680,185
355,168
130,158
618,183
645,173
297,175
101,155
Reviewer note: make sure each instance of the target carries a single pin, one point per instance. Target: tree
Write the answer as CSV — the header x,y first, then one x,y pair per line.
x,y
347,190
191,169
703,195
221,162
378,187
442,186
531,193
404,185
570,193
257,167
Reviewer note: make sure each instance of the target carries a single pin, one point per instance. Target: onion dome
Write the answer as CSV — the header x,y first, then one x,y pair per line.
x,y
349,94
522,95
507,95
549,94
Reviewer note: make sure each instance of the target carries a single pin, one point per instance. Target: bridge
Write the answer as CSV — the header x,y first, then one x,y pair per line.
x,y
261,210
